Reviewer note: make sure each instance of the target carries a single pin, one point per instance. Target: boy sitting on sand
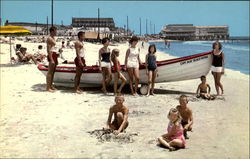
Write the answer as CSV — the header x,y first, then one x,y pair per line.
x,y
186,115
204,89
120,111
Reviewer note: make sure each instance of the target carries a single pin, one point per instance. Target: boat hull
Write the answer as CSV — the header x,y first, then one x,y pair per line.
x,y
179,69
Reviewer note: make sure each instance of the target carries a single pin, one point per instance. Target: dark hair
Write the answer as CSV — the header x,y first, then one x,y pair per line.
x,y
217,43
203,77
40,47
134,38
53,28
150,48
18,46
104,40
80,33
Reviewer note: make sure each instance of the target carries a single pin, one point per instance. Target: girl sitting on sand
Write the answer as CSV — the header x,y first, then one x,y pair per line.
x,y
117,72
174,137
151,68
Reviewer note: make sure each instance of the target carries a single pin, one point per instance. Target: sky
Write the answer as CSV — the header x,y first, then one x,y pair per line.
x,y
235,14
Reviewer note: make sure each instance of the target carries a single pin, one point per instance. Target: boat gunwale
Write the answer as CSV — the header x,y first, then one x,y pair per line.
x,y
95,68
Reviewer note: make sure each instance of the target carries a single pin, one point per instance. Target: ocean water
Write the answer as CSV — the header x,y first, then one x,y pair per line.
x,y
236,53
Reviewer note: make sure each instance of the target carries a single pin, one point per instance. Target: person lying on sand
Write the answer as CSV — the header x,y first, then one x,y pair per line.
x,y
23,56
186,115
120,111
174,137
204,89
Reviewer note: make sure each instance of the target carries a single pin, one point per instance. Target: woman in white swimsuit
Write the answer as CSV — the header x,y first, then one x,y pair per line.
x,y
105,64
132,63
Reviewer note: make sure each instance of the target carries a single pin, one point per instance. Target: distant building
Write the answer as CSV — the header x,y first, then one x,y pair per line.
x,y
191,32
105,24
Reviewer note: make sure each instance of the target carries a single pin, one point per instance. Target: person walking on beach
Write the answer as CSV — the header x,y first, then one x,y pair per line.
x,y
52,56
105,64
132,63
174,137
120,112
79,60
151,68
217,66
117,72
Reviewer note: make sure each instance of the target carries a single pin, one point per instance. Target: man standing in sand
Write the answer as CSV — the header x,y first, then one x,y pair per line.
x,y
52,58
79,60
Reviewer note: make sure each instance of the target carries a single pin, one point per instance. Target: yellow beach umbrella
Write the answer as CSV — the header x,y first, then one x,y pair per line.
x,y
11,30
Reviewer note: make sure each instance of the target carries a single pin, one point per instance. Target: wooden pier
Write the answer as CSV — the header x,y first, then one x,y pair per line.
x,y
237,39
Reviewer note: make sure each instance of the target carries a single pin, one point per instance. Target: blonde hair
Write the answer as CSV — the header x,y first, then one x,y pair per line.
x,y
175,111
114,54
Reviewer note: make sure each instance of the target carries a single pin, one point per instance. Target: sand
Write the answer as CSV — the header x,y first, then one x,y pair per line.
x,y
38,124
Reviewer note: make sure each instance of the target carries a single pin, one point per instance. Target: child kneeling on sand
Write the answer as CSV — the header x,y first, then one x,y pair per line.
x,y
204,89
120,111
186,115
117,72
174,137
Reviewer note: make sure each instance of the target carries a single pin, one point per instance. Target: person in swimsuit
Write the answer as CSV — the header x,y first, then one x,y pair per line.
x,y
151,68
117,72
186,115
105,64
217,66
204,89
23,56
40,55
79,60
120,112
174,137
132,63
52,58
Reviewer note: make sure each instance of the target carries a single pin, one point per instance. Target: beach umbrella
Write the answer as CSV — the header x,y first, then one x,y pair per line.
x,y
11,30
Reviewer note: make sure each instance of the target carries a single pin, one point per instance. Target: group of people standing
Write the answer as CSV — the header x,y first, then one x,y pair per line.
x,y
107,57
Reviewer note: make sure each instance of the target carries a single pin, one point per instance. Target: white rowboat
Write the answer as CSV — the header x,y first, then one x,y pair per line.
x,y
178,69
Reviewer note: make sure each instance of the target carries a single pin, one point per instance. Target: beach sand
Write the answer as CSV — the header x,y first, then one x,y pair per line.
x,y
38,124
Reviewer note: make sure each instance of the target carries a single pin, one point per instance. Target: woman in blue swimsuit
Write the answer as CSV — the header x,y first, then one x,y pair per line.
x,y
151,68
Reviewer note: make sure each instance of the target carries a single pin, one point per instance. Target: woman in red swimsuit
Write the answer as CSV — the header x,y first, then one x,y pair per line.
x,y
117,72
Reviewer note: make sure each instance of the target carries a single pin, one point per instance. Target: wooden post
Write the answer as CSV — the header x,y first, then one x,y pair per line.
x,y
10,51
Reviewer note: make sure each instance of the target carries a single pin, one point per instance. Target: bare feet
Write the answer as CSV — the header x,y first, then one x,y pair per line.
x,y
152,93
78,91
50,90
53,88
172,148
104,90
